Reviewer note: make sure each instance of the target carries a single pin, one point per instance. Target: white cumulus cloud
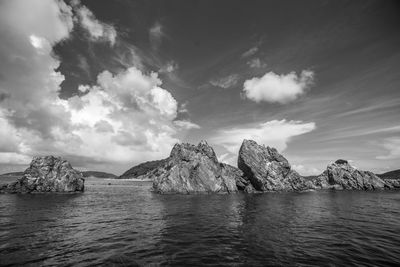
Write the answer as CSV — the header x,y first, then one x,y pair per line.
x,y
306,170
275,133
278,88
125,117
392,145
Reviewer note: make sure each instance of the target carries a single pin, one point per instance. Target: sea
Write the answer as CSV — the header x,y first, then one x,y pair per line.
x,y
122,223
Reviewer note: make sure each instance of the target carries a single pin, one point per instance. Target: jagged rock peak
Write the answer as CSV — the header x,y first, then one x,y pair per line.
x,y
268,170
194,169
270,153
185,151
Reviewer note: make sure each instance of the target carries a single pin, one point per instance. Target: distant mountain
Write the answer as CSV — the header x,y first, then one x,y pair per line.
x,y
99,174
141,169
310,177
12,174
390,175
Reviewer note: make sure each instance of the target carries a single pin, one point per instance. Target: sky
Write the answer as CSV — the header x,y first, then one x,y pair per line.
x,y
110,84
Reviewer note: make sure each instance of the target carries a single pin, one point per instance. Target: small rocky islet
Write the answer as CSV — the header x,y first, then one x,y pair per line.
x,y
195,169
47,174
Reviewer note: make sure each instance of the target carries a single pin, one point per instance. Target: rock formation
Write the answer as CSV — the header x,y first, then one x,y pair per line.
x,y
392,183
242,182
341,175
47,174
194,169
267,170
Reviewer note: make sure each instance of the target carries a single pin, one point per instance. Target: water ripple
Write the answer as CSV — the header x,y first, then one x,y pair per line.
x,y
124,224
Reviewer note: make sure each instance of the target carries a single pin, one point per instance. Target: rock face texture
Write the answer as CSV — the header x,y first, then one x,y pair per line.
x,y
242,182
47,174
194,169
393,183
267,170
341,175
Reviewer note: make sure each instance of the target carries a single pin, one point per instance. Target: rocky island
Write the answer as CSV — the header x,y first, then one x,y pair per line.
x,y
195,169
47,174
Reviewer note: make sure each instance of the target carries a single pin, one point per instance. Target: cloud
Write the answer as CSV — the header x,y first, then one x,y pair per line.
x,y
124,117
103,126
275,133
31,110
228,158
256,63
278,88
155,35
226,82
4,96
40,43
305,170
14,158
84,65
250,52
9,139
186,124
47,20
393,146
169,67
96,29
27,67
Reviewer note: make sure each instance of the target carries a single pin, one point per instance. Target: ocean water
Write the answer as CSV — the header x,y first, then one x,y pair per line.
x,y
124,224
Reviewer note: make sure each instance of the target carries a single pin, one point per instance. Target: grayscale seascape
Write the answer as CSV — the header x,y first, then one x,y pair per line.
x,y
200,133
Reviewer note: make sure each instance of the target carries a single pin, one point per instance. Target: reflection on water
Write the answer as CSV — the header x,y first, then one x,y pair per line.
x,y
125,224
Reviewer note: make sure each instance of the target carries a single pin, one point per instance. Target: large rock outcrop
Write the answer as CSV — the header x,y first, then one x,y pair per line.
x,y
194,169
341,175
47,174
267,170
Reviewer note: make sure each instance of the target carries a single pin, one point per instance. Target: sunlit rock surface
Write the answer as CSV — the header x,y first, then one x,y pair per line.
x,y
267,170
194,169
